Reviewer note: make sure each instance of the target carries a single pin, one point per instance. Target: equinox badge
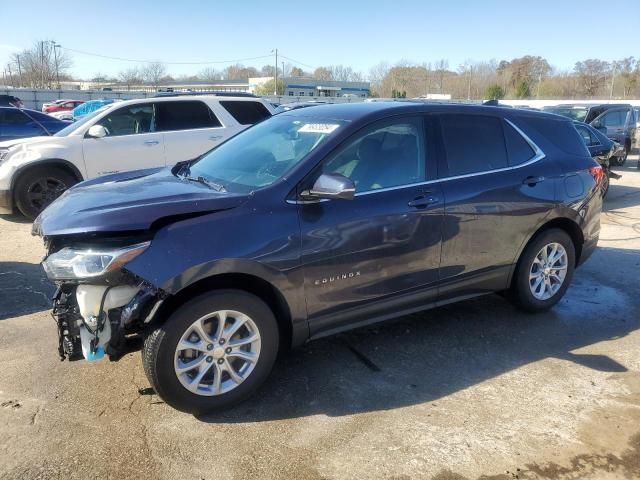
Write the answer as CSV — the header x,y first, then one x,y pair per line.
x,y
342,276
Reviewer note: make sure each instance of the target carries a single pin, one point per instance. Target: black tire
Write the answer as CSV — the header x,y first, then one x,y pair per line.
x,y
521,294
158,355
620,160
38,187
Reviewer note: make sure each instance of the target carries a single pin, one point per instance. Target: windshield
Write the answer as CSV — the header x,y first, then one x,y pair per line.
x,y
66,131
578,114
262,154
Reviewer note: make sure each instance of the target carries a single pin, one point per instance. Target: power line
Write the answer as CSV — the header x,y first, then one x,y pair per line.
x,y
122,59
297,62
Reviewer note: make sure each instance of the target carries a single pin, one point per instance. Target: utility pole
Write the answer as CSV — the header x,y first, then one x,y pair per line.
x,y
613,79
42,64
55,56
275,76
10,75
19,71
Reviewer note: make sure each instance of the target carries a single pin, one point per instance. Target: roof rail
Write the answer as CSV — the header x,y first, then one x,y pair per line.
x,y
217,93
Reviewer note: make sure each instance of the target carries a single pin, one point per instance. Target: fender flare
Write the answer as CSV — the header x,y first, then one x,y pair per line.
x,y
286,286
47,162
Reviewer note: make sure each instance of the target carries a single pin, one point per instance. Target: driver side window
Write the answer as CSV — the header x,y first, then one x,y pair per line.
x,y
130,120
387,154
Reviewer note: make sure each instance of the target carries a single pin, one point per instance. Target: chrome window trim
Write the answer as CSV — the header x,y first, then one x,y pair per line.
x,y
538,155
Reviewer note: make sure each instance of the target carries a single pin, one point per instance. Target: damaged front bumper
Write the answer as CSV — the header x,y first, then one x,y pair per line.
x,y
94,320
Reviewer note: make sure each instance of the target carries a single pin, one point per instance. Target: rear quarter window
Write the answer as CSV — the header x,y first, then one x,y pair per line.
x,y
560,133
246,112
184,115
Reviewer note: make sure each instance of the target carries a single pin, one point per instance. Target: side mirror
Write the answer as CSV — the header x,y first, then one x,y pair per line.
x,y
97,131
331,185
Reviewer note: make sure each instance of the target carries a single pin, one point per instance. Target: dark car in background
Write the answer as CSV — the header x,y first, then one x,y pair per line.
x,y
24,123
581,112
602,149
315,221
10,101
619,124
616,121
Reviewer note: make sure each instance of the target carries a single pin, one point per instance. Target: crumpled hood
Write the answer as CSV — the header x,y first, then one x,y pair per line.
x,y
129,201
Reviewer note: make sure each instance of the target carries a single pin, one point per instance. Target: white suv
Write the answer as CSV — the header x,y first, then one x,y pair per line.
x,y
130,135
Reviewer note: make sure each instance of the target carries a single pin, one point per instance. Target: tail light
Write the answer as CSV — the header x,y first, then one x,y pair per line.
x,y
597,173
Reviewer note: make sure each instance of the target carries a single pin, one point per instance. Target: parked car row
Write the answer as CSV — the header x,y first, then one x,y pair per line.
x,y
619,122
120,136
61,105
312,221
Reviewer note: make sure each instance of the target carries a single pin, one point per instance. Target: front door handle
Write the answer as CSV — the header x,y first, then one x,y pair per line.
x,y
531,180
151,142
215,138
423,201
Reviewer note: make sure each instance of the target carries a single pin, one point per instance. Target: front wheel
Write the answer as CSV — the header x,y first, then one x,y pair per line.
x,y
544,271
620,160
213,352
39,187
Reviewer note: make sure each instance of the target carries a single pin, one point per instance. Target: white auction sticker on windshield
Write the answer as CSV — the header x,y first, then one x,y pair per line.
x,y
318,127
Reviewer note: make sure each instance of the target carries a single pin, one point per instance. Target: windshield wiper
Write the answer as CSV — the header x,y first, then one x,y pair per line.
x,y
213,185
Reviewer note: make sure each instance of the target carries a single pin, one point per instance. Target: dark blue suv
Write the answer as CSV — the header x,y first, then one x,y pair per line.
x,y
312,222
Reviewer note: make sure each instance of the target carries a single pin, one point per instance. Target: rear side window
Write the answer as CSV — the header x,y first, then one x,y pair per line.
x,y
518,148
14,117
245,112
560,133
184,115
473,143
587,137
40,117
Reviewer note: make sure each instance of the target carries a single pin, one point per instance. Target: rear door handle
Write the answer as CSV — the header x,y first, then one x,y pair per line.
x,y
215,138
152,142
423,201
531,180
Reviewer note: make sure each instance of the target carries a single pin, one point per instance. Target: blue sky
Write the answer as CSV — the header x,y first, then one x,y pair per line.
x,y
359,34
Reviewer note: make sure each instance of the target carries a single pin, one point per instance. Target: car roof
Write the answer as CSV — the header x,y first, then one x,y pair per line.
x,y
175,98
358,111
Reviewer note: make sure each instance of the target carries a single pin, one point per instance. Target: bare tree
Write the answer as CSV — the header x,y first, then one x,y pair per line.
x,y
239,72
41,65
210,75
129,77
442,70
592,74
323,73
628,70
153,73
377,75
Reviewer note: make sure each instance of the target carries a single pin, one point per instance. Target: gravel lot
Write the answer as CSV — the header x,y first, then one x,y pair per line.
x,y
473,390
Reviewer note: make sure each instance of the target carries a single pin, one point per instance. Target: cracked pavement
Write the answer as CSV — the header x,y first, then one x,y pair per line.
x,y
476,389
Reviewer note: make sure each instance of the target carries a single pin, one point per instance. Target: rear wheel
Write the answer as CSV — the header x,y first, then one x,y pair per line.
x,y
36,189
544,271
213,352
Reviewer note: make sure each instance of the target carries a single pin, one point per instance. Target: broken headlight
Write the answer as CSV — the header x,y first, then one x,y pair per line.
x,y
73,263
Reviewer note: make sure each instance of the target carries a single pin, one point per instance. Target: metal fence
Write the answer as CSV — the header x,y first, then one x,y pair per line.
x,y
34,98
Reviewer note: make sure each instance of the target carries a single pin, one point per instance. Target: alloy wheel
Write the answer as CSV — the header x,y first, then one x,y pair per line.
x,y
548,271
217,353
44,191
